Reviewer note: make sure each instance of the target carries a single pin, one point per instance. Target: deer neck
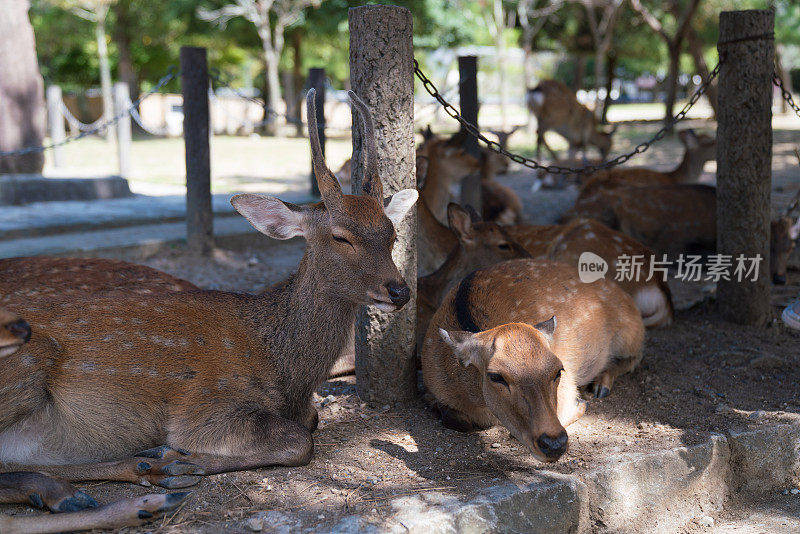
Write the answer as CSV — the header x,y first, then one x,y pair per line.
x,y
304,324
435,192
436,285
689,169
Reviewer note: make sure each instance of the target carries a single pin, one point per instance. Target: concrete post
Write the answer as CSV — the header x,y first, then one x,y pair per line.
x,y
121,102
468,98
55,123
381,73
316,80
744,158
196,131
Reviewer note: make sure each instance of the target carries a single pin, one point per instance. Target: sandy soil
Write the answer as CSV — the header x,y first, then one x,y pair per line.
x,y
699,376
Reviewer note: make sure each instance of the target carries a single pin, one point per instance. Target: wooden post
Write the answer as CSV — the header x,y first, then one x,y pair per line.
x,y
468,98
744,158
382,74
121,102
196,128
55,123
316,80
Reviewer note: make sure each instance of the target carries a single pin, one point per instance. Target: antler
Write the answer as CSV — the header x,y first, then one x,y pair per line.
x,y
371,184
796,200
328,185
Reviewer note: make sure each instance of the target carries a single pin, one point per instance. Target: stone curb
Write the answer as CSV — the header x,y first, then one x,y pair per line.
x,y
660,492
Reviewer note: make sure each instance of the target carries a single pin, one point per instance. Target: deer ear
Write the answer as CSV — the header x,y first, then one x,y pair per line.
x,y
547,328
465,345
399,204
271,216
459,221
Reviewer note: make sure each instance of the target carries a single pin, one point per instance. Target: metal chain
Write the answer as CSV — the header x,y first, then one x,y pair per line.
x,y
556,169
172,72
787,96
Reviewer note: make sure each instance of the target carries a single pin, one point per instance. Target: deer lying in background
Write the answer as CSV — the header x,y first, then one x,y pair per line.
x,y
674,219
14,332
698,149
556,108
500,203
485,364
478,244
226,376
566,242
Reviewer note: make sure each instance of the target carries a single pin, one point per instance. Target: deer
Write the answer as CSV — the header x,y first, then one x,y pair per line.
x,y
80,511
500,203
512,343
566,243
166,388
674,219
698,149
557,108
478,244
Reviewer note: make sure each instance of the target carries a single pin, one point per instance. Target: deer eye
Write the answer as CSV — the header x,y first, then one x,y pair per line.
x,y
341,240
504,246
497,378
558,375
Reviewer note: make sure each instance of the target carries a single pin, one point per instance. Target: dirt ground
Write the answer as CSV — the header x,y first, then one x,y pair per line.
x,y
699,376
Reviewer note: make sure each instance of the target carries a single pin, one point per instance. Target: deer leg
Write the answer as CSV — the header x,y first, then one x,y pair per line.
x,y
456,420
601,386
118,514
42,491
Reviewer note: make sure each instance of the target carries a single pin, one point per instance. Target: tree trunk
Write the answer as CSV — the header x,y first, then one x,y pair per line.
x,y
105,72
700,66
611,65
22,108
672,80
580,73
122,38
297,75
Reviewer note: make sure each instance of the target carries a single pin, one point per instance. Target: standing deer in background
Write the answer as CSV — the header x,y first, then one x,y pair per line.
x,y
485,364
557,108
229,377
698,149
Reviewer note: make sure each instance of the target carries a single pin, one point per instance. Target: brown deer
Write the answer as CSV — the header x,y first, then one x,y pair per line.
x,y
210,381
566,243
14,332
57,495
500,203
674,219
479,244
557,108
512,342
698,149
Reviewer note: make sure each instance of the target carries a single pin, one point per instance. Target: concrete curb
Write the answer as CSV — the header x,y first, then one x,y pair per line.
x,y
665,491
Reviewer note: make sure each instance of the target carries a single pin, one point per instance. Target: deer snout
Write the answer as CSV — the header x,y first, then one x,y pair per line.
x,y
20,329
553,447
399,293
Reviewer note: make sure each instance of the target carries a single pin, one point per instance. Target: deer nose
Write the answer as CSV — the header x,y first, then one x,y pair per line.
x,y
553,447
20,329
399,293
779,279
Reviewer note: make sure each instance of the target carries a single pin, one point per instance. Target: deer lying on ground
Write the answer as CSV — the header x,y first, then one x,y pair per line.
x,y
698,149
14,332
556,108
478,244
209,381
566,243
500,203
39,490
675,219
512,343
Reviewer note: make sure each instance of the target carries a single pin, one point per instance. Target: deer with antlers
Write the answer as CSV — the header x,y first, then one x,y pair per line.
x,y
511,343
228,377
556,108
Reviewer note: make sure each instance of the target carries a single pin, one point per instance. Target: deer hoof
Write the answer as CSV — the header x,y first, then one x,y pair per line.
x,y
177,482
79,501
162,452
602,392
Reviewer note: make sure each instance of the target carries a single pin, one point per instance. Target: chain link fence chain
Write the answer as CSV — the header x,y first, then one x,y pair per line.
x,y
172,72
787,96
556,169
